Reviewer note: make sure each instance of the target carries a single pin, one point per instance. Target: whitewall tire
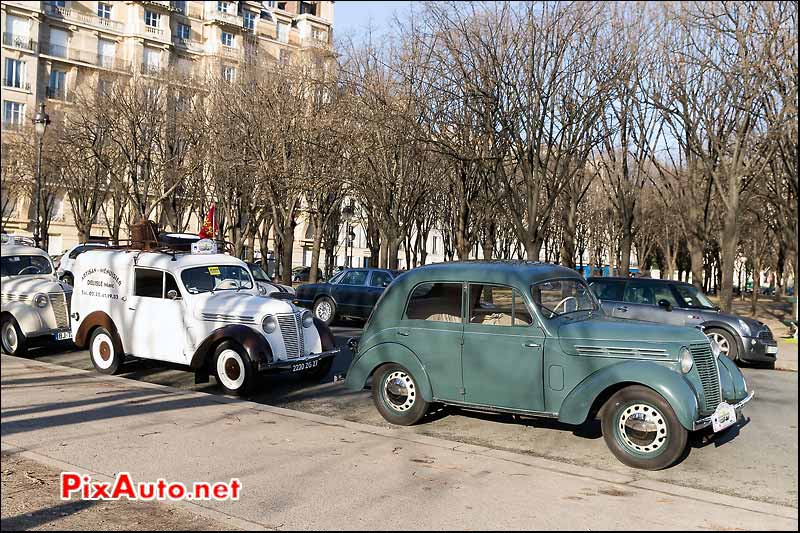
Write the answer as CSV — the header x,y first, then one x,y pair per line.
x,y
106,356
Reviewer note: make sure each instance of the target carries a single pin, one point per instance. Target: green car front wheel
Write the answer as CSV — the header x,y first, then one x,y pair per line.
x,y
396,395
641,429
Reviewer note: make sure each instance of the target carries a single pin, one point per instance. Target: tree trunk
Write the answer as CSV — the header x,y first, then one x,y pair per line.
x,y
393,249
696,259
730,238
625,249
315,249
756,282
384,253
286,255
568,237
251,247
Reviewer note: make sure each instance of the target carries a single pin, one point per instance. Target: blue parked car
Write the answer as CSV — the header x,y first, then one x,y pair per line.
x,y
351,293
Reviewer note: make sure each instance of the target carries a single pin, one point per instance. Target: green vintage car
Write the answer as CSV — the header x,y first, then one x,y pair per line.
x,y
531,338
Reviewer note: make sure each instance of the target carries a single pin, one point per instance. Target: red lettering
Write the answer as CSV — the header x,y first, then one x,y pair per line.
x,y
202,491
162,485
123,486
220,490
235,486
147,491
70,482
100,490
176,491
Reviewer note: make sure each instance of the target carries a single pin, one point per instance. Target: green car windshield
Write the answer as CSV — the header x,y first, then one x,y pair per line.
x,y
216,278
562,296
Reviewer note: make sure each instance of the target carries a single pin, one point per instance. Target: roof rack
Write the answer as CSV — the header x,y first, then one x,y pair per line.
x,y
146,237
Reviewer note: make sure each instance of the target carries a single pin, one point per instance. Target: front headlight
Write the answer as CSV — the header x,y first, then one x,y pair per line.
x,y
41,300
685,359
715,349
744,327
269,324
308,319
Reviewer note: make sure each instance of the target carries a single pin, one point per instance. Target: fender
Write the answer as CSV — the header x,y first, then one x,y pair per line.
x,y
256,346
388,352
714,324
325,335
93,320
26,316
320,294
668,383
732,381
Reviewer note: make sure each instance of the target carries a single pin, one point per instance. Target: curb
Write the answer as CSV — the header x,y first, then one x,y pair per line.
x,y
405,434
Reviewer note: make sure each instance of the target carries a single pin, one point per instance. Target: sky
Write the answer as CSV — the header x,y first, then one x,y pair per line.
x,y
353,17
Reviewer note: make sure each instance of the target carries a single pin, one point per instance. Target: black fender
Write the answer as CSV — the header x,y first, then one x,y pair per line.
x,y
325,335
254,343
717,324
90,322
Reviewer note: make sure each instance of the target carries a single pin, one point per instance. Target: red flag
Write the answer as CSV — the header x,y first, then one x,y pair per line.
x,y
210,227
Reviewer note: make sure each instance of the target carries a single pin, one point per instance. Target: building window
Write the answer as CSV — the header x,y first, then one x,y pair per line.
x,y
229,74
249,20
59,42
222,7
58,84
151,18
104,11
152,59
307,8
227,39
284,56
184,31
180,6
15,73
58,3
13,114
105,52
320,35
283,32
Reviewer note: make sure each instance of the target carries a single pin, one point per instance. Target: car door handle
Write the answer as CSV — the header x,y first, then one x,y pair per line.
x,y
403,332
622,309
131,309
532,345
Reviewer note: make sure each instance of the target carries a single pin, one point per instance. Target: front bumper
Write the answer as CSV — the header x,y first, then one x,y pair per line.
x,y
706,421
292,364
757,350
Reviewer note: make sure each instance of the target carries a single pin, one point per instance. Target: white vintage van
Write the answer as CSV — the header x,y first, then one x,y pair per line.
x,y
199,309
34,306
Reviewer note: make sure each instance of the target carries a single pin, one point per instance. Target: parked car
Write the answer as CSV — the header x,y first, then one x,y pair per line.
x,y
67,260
351,293
530,338
302,274
195,309
678,303
265,284
34,303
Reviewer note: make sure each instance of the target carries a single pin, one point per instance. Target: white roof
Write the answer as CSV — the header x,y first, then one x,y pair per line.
x,y
19,249
161,260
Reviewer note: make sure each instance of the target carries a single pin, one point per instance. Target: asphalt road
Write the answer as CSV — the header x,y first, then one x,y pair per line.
x,y
758,460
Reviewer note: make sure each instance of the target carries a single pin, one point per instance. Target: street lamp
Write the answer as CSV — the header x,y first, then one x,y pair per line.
x,y
40,122
347,214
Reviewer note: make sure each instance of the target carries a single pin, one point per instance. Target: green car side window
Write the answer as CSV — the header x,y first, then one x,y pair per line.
x,y
437,302
562,296
497,305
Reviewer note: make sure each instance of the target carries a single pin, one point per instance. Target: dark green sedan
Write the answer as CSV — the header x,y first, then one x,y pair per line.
x,y
531,338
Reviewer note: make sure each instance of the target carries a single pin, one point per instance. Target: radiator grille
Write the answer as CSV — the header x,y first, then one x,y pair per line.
x,y
59,303
706,366
292,331
765,334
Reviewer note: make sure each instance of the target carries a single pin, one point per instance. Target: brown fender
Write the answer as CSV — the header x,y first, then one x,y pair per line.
x,y
325,335
93,320
257,347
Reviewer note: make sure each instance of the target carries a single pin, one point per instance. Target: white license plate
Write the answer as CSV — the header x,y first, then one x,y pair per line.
x,y
723,417
772,349
305,365
63,335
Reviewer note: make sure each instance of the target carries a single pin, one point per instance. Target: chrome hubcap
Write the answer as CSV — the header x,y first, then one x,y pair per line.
x,y
642,428
724,347
10,337
324,311
399,391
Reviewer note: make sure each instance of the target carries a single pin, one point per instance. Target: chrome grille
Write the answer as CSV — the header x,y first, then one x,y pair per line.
x,y
59,303
765,334
292,331
706,366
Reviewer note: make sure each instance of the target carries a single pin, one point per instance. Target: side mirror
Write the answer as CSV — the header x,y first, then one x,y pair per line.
x,y
665,304
172,294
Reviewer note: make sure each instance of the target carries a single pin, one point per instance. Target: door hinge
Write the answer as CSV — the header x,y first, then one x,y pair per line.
x,y
462,391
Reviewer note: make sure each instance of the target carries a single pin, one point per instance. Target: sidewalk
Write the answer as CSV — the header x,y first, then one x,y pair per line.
x,y
303,471
787,355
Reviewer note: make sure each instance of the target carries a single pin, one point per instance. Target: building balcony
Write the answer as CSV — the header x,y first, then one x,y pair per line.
x,y
71,54
189,45
19,41
151,69
227,19
92,20
57,93
158,33
229,52
113,63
